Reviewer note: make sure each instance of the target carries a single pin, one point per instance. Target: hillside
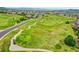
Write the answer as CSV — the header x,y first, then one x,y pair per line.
x,y
47,33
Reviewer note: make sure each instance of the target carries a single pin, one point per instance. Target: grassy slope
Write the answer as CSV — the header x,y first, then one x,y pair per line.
x,y
48,33
8,20
5,42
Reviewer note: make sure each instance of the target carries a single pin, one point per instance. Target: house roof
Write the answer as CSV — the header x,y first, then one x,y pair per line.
x,y
77,22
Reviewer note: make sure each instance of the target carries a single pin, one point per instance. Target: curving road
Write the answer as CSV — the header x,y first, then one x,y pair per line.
x,y
2,33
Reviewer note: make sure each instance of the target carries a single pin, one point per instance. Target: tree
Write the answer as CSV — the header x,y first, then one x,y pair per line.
x,y
22,19
69,40
67,22
23,14
77,33
58,46
18,21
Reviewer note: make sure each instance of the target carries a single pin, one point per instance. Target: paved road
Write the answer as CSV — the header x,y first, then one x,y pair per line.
x,y
2,33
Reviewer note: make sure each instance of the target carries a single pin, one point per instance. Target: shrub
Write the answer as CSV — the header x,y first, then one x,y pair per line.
x,y
77,33
18,21
58,46
69,40
67,22
22,19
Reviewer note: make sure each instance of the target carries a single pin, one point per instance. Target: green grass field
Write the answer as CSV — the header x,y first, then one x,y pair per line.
x,y
8,20
5,42
48,33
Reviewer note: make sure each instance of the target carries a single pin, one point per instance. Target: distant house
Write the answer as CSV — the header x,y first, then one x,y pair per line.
x,y
11,12
76,24
14,12
77,16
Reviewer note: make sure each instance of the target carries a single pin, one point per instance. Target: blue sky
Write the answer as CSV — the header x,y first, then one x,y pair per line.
x,y
40,3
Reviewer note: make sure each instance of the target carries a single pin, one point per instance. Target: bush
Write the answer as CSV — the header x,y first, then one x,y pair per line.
x,y
18,21
67,22
58,46
69,41
22,19
77,33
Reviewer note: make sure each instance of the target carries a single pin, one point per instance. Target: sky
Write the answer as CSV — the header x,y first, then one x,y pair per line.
x,y
40,3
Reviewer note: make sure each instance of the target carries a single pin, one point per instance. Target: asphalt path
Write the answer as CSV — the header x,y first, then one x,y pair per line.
x,y
2,33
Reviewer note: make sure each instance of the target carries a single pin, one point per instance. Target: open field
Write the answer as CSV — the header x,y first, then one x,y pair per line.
x,y
8,20
39,30
48,33
5,42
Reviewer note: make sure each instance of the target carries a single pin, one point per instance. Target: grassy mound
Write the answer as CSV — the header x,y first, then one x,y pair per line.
x,y
47,33
8,20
